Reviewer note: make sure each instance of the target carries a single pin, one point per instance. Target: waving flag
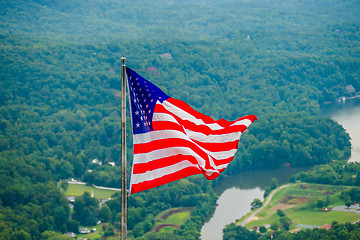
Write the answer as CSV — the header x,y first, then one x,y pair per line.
x,y
172,140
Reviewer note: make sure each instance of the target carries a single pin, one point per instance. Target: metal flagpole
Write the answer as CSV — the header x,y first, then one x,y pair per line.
x,y
123,153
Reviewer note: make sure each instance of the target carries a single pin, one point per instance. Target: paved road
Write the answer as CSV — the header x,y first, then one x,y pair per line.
x,y
352,208
264,205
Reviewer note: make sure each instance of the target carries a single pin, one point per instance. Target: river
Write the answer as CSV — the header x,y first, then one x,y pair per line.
x,y
348,115
236,194
238,191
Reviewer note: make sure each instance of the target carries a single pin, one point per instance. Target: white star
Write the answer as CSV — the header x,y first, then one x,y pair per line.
x,y
137,113
138,125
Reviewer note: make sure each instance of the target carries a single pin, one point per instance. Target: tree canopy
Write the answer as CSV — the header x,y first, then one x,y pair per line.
x,y
60,85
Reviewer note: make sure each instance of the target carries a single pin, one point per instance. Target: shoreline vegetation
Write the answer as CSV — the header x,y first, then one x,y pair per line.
x,y
267,200
342,99
298,202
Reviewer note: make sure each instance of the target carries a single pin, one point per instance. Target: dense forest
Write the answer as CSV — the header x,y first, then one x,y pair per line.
x,y
346,231
60,104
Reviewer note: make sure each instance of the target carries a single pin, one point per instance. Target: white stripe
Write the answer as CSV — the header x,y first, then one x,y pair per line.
x,y
187,116
220,167
222,155
171,134
164,117
167,152
163,134
201,137
160,172
158,135
198,136
245,122
212,138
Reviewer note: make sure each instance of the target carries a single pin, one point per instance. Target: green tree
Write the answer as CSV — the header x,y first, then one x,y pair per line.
x,y
285,222
256,203
320,203
72,226
262,229
104,213
280,213
274,183
85,209
274,226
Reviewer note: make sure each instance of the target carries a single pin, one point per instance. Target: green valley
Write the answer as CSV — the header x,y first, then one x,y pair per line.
x,y
60,103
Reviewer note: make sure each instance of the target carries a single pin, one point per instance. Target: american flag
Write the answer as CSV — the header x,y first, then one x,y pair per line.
x,y
172,140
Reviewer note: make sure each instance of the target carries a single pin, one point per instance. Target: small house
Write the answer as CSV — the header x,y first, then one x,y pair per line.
x,y
71,234
84,230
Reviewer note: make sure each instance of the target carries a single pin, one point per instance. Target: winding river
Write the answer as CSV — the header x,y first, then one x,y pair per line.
x,y
238,191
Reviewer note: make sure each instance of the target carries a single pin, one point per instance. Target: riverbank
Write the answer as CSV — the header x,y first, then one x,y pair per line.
x,y
267,201
298,202
342,99
236,193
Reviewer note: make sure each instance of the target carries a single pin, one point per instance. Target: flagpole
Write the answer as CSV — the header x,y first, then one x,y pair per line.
x,y
123,153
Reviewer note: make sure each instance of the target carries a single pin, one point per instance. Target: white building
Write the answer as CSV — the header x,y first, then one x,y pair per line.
x,y
84,230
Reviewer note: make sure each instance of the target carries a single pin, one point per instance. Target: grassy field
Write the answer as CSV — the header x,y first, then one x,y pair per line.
x,y
170,219
79,189
298,202
98,234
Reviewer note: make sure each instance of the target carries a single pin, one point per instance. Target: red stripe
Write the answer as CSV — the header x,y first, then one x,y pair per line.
x,y
218,147
161,125
168,143
166,125
184,106
179,142
222,122
223,161
165,179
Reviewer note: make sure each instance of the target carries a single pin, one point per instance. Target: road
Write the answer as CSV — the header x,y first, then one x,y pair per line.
x,y
249,218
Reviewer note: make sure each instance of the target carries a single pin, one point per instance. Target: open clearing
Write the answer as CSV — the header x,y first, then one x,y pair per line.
x,y
297,202
79,189
171,219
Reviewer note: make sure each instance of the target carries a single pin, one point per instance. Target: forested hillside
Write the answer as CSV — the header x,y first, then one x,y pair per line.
x,y
60,93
